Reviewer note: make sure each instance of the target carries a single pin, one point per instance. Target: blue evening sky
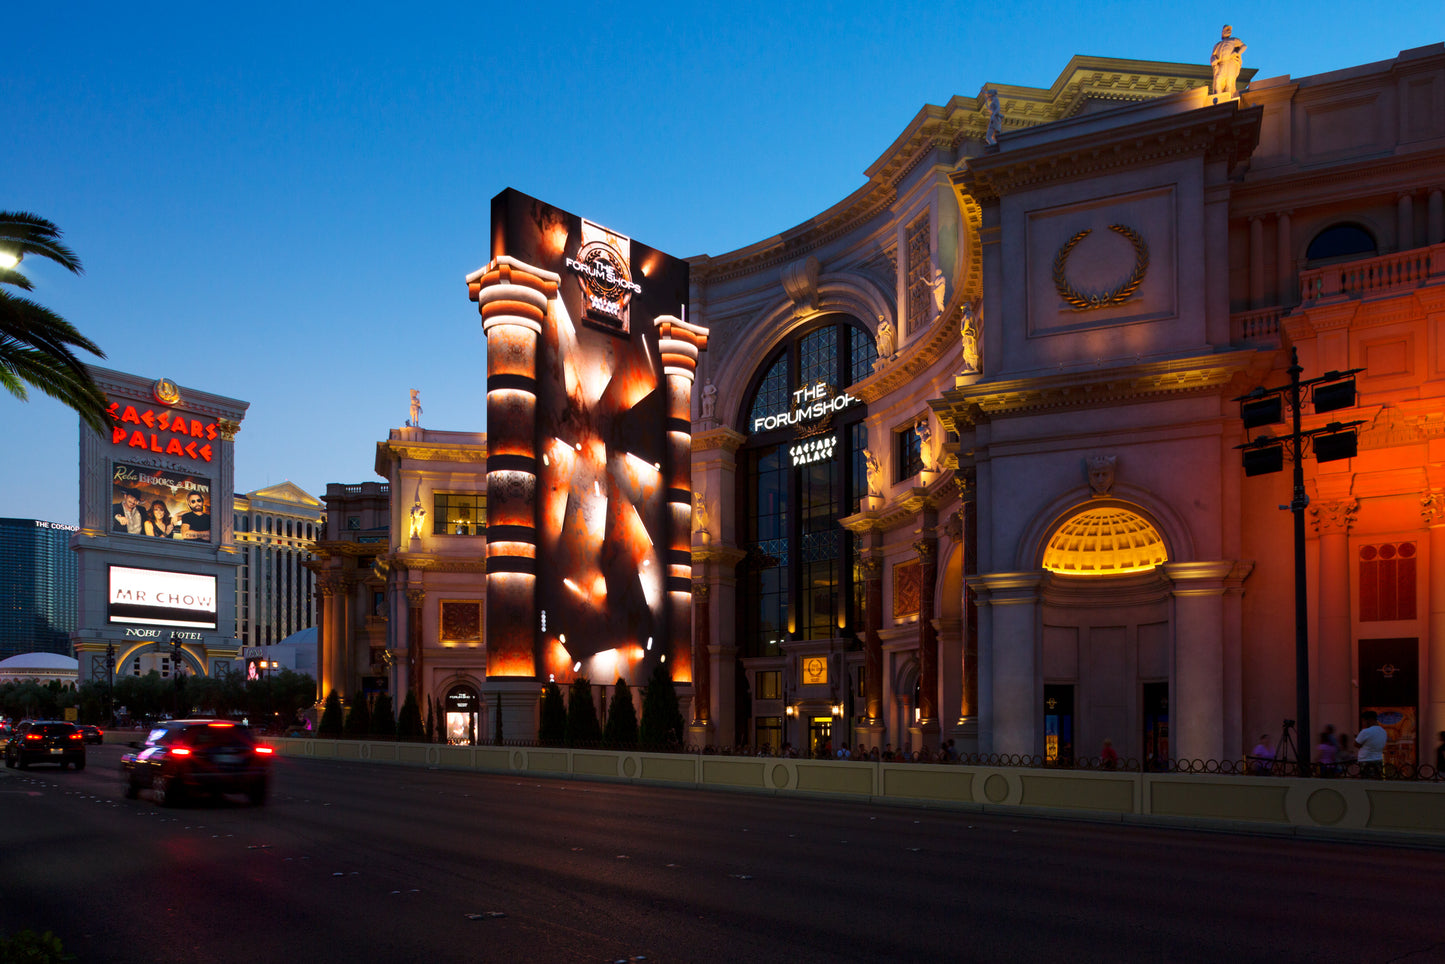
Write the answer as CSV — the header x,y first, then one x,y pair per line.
x,y
279,202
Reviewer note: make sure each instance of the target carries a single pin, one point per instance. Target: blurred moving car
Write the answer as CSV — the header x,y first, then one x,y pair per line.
x,y
92,734
182,758
45,741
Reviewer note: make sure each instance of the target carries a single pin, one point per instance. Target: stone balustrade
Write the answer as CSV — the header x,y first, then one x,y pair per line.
x,y
1385,274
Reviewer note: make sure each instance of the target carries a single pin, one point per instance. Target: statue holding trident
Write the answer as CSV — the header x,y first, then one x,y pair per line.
x,y
415,421
1226,59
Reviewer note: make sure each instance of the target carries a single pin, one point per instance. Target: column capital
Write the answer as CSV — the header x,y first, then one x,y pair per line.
x,y
1432,508
927,549
415,597
701,590
1335,516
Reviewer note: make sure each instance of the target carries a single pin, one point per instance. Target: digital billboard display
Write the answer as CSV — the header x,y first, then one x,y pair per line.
x,y
160,504
156,597
608,436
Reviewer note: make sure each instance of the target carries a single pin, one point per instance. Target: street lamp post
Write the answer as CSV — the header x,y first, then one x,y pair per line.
x,y
1265,454
110,684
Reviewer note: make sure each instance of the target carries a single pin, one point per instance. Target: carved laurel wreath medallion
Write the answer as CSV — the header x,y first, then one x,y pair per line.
x,y
1079,301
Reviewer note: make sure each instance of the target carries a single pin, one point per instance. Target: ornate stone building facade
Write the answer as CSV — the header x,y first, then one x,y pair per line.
x,y
1019,521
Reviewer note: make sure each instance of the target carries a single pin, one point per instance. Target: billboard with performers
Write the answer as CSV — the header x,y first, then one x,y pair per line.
x,y
160,504
155,597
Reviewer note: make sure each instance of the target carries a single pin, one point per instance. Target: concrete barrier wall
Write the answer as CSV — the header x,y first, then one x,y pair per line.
x,y
1357,808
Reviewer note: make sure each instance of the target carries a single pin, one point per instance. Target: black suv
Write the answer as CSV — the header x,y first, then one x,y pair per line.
x,y
45,741
181,758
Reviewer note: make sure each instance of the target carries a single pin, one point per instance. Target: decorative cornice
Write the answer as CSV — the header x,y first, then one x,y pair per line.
x,y
433,452
904,509
724,555
960,408
419,563
1223,131
727,439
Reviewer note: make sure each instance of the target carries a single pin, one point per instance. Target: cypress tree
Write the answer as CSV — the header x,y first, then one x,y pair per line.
x,y
553,728
621,728
331,719
582,725
408,722
383,723
661,718
358,720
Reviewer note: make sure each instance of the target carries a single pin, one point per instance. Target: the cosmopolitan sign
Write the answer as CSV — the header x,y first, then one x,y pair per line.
x,y
811,403
159,598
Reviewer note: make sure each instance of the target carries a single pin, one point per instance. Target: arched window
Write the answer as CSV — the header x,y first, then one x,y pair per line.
x,y
1105,540
1341,241
802,469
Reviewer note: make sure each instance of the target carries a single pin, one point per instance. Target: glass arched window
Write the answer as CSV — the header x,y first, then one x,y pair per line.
x,y
1341,241
801,470
1105,541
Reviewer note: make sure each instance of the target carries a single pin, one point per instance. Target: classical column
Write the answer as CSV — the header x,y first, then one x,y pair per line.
x,y
1404,221
872,568
968,708
1010,688
1196,718
326,636
512,298
927,549
1284,261
1433,511
679,343
414,656
1334,700
701,640
1256,262
1435,222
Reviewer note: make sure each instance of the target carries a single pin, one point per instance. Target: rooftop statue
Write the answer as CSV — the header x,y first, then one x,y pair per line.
x,y
415,408
995,119
1226,59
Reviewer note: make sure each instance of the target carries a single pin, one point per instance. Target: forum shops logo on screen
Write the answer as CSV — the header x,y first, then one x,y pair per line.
x,y
603,265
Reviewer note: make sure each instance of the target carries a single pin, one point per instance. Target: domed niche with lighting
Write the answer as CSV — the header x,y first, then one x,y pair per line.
x,y
1105,541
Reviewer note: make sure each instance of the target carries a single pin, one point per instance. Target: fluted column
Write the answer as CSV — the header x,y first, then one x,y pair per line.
x,y
872,642
414,643
1284,260
701,640
1405,221
1335,695
679,343
1256,262
927,550
1433,512
512,299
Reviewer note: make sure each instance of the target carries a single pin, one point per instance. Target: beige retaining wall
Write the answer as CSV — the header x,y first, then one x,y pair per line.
x,y
1413,812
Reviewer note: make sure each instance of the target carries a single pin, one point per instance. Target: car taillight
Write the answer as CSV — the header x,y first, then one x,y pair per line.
x,y
263,749
77,736
34,736
180,751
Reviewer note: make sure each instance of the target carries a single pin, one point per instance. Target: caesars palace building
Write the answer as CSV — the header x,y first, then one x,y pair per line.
x,y
965,446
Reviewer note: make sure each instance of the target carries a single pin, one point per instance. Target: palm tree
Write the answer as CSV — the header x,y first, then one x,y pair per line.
x,y
35,342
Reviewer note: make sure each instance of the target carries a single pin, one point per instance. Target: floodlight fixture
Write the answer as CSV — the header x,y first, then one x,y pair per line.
x,y
1336,443
1334,395
1265,410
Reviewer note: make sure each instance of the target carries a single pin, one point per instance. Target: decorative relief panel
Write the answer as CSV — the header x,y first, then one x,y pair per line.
x,y
1104,263
461,621
907,588
920,273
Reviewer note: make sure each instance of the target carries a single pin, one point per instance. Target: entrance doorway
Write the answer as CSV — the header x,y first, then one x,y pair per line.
x,y
1156,725
1390,685
1059,723
462,706
820,733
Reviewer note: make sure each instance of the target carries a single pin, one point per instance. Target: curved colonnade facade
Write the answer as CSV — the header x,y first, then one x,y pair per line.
x,y
964,451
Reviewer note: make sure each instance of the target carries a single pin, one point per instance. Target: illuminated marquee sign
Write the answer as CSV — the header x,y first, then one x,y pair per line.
x,y
822,403
158,598
818,449
603,263
163,432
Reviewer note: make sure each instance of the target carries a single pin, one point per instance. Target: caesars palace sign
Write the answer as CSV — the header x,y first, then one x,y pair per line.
x,y
812,403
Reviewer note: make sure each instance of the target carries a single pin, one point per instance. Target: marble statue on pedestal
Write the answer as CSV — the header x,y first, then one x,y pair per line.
x,y
1226,59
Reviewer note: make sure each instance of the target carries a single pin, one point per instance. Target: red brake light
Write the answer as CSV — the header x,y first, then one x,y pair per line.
x,y
77,735
34,736
263,749
180,751
221,725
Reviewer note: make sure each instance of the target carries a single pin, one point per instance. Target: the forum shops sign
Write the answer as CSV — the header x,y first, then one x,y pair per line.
x,y
811,404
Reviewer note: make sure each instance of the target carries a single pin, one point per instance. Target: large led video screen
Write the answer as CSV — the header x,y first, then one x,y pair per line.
x,y
160,503
156,597
603,525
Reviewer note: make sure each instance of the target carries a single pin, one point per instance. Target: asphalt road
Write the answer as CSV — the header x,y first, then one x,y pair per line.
x,y
355,863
